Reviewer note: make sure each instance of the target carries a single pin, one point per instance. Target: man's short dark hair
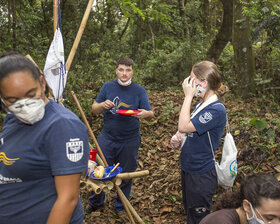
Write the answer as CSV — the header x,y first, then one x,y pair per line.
x,y
125,61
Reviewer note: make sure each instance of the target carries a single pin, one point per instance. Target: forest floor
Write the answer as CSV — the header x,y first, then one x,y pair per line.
x,y
157,197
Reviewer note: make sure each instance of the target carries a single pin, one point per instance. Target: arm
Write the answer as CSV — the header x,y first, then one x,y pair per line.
x,y
185,125
98,108
68,189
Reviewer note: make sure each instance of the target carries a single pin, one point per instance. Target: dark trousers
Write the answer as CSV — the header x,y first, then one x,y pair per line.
x,y
126,154
198,190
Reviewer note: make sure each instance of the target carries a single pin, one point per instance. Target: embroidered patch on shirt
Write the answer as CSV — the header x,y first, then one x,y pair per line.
x,y
74,149
206,117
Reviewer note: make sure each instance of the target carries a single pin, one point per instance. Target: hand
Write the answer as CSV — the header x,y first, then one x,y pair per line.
x,y
108,104
189,86
176,140
143,114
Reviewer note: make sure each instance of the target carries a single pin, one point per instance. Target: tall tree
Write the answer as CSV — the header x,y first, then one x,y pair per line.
x,y
243,54
224,34
205,12
14,24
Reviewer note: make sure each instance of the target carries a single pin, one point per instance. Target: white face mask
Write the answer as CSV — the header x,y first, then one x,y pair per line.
x,y
199,90
28,111
254,219
127,83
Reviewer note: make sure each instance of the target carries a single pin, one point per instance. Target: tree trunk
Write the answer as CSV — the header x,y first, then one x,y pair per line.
x,y
182,11
9,17
225,32
205,15
14,24
125,28
243,54
43,5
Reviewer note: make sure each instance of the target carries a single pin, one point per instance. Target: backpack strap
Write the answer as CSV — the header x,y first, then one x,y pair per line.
x,y
227,131
211,145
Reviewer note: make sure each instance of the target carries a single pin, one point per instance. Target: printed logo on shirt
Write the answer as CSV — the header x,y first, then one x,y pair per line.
x,y
7,161
206,117
74,149
9,180
118,104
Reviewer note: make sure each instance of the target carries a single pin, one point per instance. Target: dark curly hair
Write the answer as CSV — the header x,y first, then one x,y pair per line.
x,y
253,188
125,61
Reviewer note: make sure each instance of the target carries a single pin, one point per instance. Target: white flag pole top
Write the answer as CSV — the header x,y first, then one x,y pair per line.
x,y
54,69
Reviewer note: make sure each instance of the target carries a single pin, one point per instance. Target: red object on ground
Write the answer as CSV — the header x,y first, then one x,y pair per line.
x,y
127,112
92,154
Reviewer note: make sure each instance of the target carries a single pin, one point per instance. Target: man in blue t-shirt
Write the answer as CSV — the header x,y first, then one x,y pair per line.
x,y
120,137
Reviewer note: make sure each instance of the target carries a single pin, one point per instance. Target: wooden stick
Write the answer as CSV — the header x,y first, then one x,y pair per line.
x,y
79,35
31,59
99,160
122,197
117,181
131,175
103,184
89,128
55,14
97,189
138,218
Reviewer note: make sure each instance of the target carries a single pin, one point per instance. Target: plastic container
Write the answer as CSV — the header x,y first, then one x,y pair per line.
x,y
107,170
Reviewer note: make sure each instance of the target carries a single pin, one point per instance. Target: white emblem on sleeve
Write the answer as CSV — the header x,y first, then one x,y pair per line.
x,y
74,149
206,117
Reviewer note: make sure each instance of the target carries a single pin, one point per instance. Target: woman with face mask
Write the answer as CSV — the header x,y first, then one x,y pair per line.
x,y
43,150
199,178
256,202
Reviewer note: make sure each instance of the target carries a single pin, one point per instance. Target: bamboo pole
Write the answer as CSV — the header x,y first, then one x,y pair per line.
x,y
97,189
31,59
55,14
89,128
131,175
79,35
117,181
99,160
138,218
103,184
122,196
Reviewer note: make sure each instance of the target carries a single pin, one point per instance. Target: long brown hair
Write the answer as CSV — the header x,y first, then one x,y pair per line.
x,y
207,70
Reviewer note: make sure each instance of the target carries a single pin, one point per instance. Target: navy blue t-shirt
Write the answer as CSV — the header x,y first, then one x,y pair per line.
x,y
196,156
132,97
30,157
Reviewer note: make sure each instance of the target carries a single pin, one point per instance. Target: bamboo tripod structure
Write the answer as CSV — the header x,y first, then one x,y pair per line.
x,y
128,207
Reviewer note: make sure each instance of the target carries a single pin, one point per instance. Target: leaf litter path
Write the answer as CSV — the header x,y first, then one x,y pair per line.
x,y
157,197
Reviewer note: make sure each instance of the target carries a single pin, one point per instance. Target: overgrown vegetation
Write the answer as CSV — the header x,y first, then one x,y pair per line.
x,y
164,38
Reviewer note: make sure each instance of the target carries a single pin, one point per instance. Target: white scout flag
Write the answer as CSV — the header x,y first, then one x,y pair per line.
x,y
54,69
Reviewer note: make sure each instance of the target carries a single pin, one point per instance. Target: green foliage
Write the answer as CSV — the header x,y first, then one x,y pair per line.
x,y
168,110
260,124
162,38
129,8
267,131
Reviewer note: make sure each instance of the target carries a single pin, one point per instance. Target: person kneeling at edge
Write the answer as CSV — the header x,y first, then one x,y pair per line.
x,y
256,202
